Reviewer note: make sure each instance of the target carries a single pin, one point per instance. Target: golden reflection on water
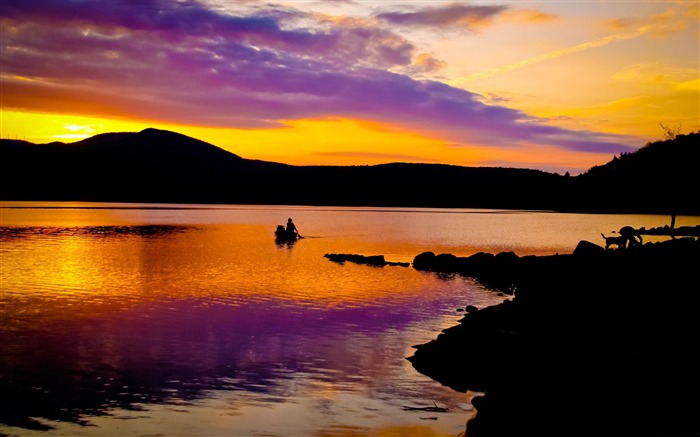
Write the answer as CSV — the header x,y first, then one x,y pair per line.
x,y
64,272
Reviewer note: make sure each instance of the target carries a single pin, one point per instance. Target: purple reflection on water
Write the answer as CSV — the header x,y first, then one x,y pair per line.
x,y
178,350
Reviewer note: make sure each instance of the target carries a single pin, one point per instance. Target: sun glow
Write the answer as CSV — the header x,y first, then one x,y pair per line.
x,y
44,128
336,141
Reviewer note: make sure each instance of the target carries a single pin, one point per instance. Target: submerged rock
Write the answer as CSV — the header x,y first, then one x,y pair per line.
x,y
372,260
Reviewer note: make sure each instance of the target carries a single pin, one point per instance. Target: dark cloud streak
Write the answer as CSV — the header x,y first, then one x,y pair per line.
x,y
456,14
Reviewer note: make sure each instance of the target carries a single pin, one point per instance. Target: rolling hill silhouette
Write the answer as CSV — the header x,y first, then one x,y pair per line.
x,y
162,166
662,174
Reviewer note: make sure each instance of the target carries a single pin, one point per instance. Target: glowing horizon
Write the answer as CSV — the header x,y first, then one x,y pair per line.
x,y
557,87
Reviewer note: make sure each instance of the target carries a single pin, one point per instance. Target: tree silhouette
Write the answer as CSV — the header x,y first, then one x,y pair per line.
x,y
671,132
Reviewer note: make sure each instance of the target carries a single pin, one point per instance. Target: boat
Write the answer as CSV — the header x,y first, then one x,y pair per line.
x,y
282,236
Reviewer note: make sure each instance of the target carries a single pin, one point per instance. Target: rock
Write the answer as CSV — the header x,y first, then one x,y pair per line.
x,y
586,248
424,261
589,345
373,260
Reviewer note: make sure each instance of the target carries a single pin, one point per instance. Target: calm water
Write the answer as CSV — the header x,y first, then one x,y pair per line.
x,y
188,320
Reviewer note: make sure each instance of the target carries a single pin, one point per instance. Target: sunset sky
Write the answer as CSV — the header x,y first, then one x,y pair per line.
x,y
553,85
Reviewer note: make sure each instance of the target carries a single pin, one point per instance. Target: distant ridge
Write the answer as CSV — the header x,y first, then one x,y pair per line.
x,y
154,144
162,166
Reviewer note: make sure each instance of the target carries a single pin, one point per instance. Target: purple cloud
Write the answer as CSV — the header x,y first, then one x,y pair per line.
x,y
455,14
180,62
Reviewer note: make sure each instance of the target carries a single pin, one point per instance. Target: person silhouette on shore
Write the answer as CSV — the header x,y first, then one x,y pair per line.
x,y
292,231
633,236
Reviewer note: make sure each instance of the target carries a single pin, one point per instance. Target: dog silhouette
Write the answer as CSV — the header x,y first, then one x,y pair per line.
x,y
617,240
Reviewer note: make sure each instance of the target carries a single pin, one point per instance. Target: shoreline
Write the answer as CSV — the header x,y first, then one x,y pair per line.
x,y
583,345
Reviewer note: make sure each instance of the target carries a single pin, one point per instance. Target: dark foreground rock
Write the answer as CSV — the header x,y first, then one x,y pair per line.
x,y
594,343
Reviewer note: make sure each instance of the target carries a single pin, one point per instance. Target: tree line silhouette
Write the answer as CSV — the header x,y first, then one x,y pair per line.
x,y
162,166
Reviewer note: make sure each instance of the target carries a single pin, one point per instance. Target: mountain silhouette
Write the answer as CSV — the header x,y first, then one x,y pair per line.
x,y
158,146
163,166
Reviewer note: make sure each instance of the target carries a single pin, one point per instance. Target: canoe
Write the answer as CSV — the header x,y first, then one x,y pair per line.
x,y
282,236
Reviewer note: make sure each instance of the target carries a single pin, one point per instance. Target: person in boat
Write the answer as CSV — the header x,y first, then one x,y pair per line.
x,y
292,232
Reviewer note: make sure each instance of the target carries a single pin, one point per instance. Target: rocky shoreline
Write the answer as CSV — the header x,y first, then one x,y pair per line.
x,y
596,342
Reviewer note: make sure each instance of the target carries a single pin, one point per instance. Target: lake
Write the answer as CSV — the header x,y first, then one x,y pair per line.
x,y
188,320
